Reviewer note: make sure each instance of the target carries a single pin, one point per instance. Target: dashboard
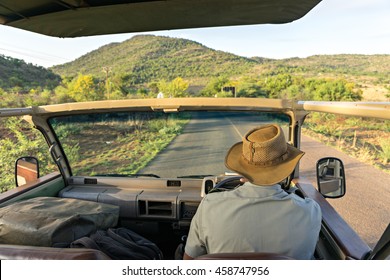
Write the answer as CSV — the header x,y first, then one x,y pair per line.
x,y
146,199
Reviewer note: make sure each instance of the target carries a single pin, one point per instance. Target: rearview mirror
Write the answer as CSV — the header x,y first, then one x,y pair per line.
x,y
331,177
26,170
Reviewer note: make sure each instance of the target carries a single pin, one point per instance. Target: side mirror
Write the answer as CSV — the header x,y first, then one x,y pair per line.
x,y
26,170
331,177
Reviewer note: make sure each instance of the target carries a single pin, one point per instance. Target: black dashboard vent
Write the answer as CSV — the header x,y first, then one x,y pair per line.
x,y
90,181
188,209
173,183
155,208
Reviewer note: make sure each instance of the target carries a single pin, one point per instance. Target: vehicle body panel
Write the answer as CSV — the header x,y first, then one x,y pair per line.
x,y
162,208
48,185
149,203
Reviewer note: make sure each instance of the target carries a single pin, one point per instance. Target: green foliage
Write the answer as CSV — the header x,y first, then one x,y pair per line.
x,y
84,88
71,147
144,65
25,76
323,124
335,90
335,65
119,145
146,58
274,85
176,88
364,138
215,85
162,86
297,92
301,88
385,150
250,89
136,68
150,143
18,139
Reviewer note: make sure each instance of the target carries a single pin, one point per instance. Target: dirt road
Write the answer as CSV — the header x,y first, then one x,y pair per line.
x,y
204,142
366,205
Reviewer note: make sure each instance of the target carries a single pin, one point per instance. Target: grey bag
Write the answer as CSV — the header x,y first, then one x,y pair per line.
x,y
53,221
120,244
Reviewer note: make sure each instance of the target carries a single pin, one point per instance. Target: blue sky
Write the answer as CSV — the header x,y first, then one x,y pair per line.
x,y
333,27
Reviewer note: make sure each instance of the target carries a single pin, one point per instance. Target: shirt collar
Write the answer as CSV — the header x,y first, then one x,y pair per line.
x,y
264,191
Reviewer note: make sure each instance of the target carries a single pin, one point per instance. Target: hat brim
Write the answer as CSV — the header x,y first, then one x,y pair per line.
x,y
262,175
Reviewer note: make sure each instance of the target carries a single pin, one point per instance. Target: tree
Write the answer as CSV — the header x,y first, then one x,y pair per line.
x,y
215,86
274,85
153,86
335,90
83,88
250,89
297,91
107,70
162,86
20,139
176,88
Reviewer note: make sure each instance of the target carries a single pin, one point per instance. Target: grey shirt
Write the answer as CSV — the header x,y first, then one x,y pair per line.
x,y
255,219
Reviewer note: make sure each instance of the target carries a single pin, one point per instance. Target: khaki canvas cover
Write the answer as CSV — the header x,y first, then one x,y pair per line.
x,y
75,18
52,221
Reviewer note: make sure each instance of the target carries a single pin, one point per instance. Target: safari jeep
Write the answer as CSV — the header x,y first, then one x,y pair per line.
x,y
151,161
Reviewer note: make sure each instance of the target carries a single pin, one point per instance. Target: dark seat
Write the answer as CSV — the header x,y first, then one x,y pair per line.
x,y
21,252
244,256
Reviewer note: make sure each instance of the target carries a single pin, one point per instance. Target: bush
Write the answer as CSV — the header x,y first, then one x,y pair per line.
x,y
385,150
19,139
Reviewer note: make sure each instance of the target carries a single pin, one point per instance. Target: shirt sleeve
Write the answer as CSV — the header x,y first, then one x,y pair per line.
x,y
195,245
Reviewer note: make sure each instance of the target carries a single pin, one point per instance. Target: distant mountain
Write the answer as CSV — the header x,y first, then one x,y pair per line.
x,y
146,58
17,73
370,73
349,64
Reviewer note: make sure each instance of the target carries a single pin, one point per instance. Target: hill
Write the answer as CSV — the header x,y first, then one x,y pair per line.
x,y
370,73
146,58
142,59
354,64
25,76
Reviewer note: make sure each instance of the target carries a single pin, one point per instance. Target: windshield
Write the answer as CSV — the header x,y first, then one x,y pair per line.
x,y
166,145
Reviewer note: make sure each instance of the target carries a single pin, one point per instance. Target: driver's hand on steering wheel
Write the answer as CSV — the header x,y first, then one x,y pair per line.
x,y
244,180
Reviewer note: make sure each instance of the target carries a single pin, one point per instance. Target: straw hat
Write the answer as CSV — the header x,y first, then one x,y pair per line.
x,y
263,156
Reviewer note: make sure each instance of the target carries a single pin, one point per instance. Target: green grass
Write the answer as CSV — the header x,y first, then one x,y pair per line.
x,y
365,139
125,149
19,139
385,150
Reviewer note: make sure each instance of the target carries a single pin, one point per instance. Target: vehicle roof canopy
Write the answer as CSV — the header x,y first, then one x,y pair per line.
x,y
75,18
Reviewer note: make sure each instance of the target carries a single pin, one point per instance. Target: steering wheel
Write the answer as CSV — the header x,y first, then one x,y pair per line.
x,y
229,183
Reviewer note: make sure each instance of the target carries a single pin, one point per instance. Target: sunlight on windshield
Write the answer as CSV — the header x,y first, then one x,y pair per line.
x,y
154,144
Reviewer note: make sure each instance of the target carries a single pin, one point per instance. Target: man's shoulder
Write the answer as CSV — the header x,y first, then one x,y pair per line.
x,y
308,204
220,195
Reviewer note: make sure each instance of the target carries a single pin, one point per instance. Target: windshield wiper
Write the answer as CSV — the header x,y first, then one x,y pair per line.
x,y
129,175
195,176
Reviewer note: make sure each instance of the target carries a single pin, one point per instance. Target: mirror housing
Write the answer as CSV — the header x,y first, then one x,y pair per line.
x,y
26,170
331,177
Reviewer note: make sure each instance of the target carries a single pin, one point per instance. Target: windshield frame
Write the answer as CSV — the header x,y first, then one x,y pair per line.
x,y
110,121
297,110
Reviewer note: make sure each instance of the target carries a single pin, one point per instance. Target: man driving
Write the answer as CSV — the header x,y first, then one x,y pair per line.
x,y
258,216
